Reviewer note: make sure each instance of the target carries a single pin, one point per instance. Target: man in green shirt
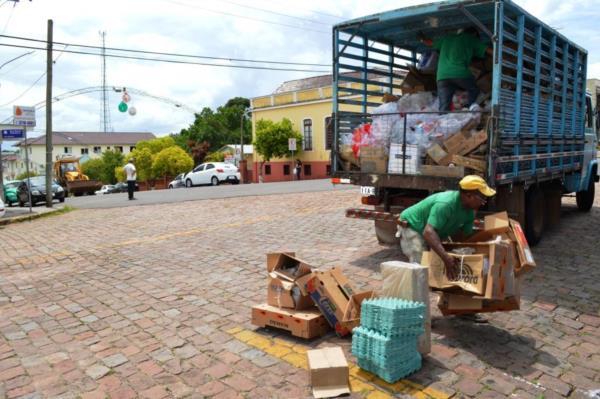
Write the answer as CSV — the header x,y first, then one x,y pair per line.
x,y
456,53
442,215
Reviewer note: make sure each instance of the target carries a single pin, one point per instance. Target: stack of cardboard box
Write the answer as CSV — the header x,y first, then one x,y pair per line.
x,y
294,288
491,264
463,151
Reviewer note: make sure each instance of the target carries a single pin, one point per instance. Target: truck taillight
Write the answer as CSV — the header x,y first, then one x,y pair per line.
x,y
370,200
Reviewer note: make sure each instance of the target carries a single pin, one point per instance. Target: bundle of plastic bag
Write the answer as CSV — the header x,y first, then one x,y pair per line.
x,y
415,102
385,118
452,123
361,137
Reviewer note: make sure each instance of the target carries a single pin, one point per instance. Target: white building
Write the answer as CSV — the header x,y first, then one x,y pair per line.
x,y
80,144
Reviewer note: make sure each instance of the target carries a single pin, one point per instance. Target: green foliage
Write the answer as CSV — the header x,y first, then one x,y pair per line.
x,y
215,157
212,129
93,168
171,162
272,138
111,160
23,175
156,145
143,161
120,174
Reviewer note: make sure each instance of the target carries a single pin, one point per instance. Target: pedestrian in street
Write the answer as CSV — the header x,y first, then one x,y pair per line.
x,y
298,169
456,53
442,215
131,177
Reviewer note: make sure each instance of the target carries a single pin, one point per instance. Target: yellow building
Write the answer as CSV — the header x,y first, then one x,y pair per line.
x,y
307,103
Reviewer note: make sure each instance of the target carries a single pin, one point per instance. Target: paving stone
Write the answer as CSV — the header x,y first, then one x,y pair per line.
x,y
114,360
97,371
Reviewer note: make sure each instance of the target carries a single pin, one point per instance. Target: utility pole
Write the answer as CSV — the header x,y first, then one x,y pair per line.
x,y
105,111
49,117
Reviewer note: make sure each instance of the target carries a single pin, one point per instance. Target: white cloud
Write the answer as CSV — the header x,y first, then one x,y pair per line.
x,y
185,26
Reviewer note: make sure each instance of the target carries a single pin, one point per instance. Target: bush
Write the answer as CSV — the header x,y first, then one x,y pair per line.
x,y
24,175
93,168
215,157
171,162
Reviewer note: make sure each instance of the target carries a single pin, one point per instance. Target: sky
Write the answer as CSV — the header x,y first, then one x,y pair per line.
x,y
271,30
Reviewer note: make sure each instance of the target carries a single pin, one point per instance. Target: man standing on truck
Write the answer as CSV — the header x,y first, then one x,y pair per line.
x,y
131,177
456,53
442,215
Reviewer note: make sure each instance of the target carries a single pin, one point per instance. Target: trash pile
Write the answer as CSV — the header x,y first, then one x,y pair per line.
x,y
491,264
408,135
308,302
386,341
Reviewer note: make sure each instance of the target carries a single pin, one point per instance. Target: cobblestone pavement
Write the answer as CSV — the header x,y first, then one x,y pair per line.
x,y
154,301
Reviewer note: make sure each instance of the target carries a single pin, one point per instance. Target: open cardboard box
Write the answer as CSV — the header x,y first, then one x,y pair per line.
x,y
337,299
287,277
329,372
472,279
300,323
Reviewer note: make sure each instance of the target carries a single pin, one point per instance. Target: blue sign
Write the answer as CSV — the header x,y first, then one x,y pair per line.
x,y
30,123
13,133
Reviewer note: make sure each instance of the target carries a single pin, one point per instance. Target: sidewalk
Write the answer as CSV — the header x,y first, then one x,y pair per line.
x,y
18,214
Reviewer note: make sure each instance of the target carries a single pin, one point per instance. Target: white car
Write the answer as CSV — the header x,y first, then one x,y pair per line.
x,y
2,208
213,173
105,189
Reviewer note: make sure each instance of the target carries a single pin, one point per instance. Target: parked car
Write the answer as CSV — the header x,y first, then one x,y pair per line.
x,y
178,181
38,191
10,192
121,187
213,173
106,189
2,209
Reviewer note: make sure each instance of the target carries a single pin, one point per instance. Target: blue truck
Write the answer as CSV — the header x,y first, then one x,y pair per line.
x,y
541,136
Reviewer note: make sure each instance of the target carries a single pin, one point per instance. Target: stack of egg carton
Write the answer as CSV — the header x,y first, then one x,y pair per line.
x,y
385,343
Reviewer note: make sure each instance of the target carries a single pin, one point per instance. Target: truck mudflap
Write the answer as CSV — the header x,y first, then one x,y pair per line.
x,y
369,214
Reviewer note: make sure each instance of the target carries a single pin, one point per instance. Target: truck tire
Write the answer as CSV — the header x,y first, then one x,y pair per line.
x,y
535,212
585,199
386,233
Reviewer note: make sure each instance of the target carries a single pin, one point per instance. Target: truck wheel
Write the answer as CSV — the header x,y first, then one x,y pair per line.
x,y
585,199
535,210
386,233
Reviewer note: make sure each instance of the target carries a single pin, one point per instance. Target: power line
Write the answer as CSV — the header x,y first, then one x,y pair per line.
x,y
166,54
9,17
275,12
338,17
245,17
173,61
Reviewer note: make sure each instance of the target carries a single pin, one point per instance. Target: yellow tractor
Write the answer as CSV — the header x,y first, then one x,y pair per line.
x,y
68,173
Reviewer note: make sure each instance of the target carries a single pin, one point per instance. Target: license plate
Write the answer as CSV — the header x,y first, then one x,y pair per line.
x,y
367,190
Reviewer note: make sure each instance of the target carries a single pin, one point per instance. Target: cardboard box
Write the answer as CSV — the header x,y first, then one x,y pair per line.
x,y
494,225
470,163
300,323
473,272
337,299
373,160
439,156
347,154
527,263
464,142
329,372
442,171
454,304
287,276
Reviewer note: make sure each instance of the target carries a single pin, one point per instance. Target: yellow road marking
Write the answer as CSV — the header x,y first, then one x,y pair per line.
x,y
361,381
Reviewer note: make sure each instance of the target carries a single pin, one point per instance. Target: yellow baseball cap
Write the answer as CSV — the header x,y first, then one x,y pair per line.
x,y
474,182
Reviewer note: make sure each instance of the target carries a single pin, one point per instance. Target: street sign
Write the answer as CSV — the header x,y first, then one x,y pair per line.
x,y
23,116
292,144
13,134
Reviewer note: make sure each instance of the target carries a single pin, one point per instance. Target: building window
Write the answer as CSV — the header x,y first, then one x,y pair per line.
x,y
307,170
131,148
119,148
328,133
97,150
66,150
328,170
84,151
108,148
30,149
307,129
286,170
267,169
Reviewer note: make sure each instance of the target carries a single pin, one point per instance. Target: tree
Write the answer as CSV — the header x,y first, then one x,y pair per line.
x,y
111,160
272,138
93,168
215,157
143,162
156,145
171,162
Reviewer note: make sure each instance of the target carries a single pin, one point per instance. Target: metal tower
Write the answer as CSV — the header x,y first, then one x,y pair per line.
x,y
105,116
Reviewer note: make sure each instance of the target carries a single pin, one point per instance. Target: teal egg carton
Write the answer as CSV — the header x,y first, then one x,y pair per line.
x,y
366,342
393,316
391,373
